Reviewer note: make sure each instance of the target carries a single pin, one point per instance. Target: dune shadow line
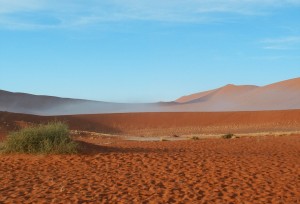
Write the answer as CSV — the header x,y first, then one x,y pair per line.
x,y
91,149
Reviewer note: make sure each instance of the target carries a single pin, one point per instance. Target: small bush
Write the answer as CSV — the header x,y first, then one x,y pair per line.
x,y
228,136
2,147
195,138
52,138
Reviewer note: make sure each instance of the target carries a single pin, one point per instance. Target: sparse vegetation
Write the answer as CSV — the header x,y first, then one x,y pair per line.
x,y
195,138
52,138
1,147
228,136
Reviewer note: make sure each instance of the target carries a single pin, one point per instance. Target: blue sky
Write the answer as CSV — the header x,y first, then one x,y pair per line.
x,y
145,51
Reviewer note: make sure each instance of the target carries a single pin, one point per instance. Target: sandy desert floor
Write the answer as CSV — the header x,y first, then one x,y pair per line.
x,y
110,170
167,124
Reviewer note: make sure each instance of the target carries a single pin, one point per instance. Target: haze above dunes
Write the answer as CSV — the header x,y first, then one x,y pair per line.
x,y
283,95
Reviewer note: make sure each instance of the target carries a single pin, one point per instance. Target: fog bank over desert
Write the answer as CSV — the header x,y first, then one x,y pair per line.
x,y
278,96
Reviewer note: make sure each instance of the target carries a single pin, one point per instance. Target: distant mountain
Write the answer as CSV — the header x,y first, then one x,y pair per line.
x,y
283,95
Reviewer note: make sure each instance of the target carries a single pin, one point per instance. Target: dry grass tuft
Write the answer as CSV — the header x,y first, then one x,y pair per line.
x,y
52,138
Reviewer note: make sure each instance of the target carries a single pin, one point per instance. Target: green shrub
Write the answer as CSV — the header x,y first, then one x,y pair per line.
x,y
52,138
228,136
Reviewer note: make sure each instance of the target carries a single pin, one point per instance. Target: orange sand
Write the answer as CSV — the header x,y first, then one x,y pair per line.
x,y
167,124
245,170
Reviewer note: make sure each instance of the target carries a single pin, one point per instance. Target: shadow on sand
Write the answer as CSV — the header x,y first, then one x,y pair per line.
x,y
86,148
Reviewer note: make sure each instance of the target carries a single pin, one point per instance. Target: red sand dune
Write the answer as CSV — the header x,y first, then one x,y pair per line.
x,y
222,93
168,123
247,170
278,96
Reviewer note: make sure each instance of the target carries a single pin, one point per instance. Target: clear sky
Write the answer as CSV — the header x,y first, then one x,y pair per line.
x,y
145,50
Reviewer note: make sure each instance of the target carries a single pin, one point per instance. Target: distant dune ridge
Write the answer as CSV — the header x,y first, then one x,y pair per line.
x,y
283,95
48,105
278,96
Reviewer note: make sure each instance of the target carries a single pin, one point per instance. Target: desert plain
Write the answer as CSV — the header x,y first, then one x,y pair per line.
x,y
189,162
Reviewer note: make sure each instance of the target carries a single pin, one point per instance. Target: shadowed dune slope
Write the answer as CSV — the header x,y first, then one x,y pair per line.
x,y
167,123
49,105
